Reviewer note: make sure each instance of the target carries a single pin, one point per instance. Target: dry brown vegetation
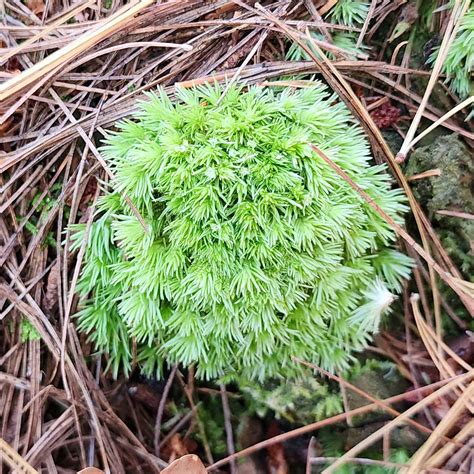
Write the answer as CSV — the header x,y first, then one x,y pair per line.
x,y
69,71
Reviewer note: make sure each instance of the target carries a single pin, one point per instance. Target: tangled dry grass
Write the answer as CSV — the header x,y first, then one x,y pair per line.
x,y
71,70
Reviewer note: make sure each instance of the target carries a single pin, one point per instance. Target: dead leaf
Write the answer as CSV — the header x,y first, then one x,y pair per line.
x,y
91,470
189,464
36,6
178,448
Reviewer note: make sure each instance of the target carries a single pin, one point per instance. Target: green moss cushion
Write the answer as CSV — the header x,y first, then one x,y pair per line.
x,y
256,250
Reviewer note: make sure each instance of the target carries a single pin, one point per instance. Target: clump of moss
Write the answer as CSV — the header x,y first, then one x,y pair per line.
x,y
28,331
300,401
309,399
255,249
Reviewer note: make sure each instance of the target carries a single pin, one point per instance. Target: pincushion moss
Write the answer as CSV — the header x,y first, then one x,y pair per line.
x,y
256,250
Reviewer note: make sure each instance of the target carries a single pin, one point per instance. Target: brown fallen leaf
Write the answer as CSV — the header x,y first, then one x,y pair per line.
x,y
91,470
189,464
36,6
178,448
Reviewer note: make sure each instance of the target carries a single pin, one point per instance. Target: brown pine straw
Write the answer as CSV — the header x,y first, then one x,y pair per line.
x,y
375,462
62,56
336,419
14,460
459,9
45,125
438,458
39,320
44,32
461,215
424,175
228,427
465,400
464,104
429,338
401,419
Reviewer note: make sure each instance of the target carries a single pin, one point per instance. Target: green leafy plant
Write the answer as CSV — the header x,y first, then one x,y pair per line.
x,y
344,12
255,250
343,40
349,12
459,63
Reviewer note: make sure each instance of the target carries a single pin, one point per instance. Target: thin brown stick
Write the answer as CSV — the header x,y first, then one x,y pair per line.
x,y
362,393
161,410
228,427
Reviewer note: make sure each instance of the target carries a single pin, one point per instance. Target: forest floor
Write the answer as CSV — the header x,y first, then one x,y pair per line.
x,y
68,72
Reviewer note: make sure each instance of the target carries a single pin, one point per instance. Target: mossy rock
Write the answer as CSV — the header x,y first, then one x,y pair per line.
x,y
401,437
308,398
451,191
379,382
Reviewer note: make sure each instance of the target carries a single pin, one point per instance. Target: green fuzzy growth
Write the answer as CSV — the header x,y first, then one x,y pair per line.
x,y
28,331
343,40
349,12
344,12
300,401
305,400
255,250
459,63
